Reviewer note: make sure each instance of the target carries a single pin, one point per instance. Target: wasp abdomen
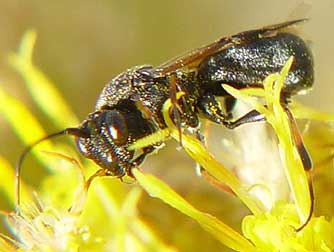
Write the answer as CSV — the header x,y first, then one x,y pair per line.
x,y
247,64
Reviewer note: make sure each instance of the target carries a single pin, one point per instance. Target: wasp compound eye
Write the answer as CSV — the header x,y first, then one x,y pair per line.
x,y
116,126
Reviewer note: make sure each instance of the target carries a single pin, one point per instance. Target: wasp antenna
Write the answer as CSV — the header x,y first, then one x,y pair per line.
x,y
286,24
68,131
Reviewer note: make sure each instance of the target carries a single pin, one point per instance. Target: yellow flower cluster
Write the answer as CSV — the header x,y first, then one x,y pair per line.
x,y
65,217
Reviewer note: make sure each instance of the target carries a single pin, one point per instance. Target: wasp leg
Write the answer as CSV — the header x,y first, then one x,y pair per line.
x,y
98,173
298,141
250,117
176,110
229,103
211,109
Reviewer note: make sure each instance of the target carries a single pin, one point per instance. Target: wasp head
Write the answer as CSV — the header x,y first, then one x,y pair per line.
x,y
105,141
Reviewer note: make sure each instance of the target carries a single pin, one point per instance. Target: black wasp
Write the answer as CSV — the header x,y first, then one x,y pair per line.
x,y
129,106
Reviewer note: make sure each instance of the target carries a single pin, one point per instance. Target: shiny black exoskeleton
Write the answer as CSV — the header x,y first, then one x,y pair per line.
x,y
248,64
129,106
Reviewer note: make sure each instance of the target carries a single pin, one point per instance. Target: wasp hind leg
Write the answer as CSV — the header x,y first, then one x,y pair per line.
x,y
250,117
212,110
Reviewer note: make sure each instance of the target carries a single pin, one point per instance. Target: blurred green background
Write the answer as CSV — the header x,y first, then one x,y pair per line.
x,y
81,45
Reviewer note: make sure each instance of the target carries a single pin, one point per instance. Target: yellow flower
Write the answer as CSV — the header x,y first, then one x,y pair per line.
x,y
65,217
